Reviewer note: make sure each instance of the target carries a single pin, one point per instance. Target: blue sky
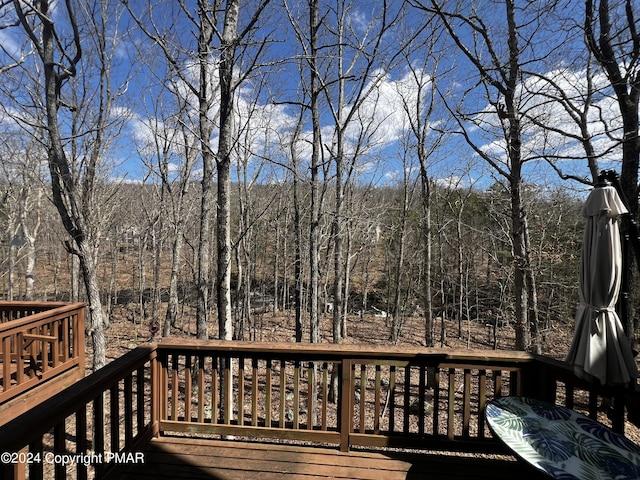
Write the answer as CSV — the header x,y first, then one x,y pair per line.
x,y
264,101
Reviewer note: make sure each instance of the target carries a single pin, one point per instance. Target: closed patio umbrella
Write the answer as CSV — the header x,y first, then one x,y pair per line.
x,y
600,349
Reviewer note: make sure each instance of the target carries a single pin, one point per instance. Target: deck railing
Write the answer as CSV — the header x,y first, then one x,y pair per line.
x,y
400,397
384,397
554,381
39,341
340,395
85,430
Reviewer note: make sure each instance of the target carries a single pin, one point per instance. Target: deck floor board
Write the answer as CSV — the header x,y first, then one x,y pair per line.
x,y
182,458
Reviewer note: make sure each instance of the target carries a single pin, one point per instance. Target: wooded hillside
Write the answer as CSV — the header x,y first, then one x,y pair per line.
x,y
472,274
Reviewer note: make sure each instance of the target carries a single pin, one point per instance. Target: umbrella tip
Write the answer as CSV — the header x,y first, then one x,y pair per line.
x,y
604,178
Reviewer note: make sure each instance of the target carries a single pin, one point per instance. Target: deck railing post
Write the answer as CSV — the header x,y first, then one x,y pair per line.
x,y
157,391
78,338
345,399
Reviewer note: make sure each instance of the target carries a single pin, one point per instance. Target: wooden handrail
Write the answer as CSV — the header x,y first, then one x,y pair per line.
x,y
310,350
56,309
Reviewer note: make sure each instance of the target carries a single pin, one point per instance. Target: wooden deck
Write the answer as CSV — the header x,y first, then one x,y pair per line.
x,y
188,458
398,413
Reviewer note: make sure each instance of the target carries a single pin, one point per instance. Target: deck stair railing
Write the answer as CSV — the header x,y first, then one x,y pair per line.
x,y
386,397
39,341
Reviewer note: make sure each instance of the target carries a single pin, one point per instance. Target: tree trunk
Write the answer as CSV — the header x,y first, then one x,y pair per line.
x,y
171,317
95,331
460,267
429,329
338,265
522,340
223,238
203,281
30,269
314,228
72,202
297,228
11,260
347,283
223,162
399,267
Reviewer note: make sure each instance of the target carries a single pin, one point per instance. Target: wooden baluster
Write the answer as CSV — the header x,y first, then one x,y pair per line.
x,y
55,344
345,405
241,391
515,384
363,397
593,404
81,442
65,346
188,388
175,391
436,401
325,394
482,401
283,393
215,385
20,358
201,383
115,417
497,383
268,389
6,363
254,392
422,397
36,468
296,395
466,415
392,398
59,447
407,399
311,397
451,404
376,400
128,411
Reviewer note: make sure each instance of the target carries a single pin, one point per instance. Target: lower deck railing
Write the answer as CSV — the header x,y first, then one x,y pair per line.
x,y
39,342
345,396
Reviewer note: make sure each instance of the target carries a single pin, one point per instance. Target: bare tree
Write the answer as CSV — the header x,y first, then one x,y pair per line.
x,y
361,56
214,88
420,103
169,150
499,69
199,87
23,180
308,40
77,95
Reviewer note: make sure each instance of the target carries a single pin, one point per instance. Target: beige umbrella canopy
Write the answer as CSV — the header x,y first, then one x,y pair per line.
x,y
600,349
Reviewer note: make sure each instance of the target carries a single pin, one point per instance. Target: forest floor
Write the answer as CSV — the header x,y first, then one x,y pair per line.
x,y
127,331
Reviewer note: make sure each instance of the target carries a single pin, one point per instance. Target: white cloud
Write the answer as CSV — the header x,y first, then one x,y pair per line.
x,y
558,133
